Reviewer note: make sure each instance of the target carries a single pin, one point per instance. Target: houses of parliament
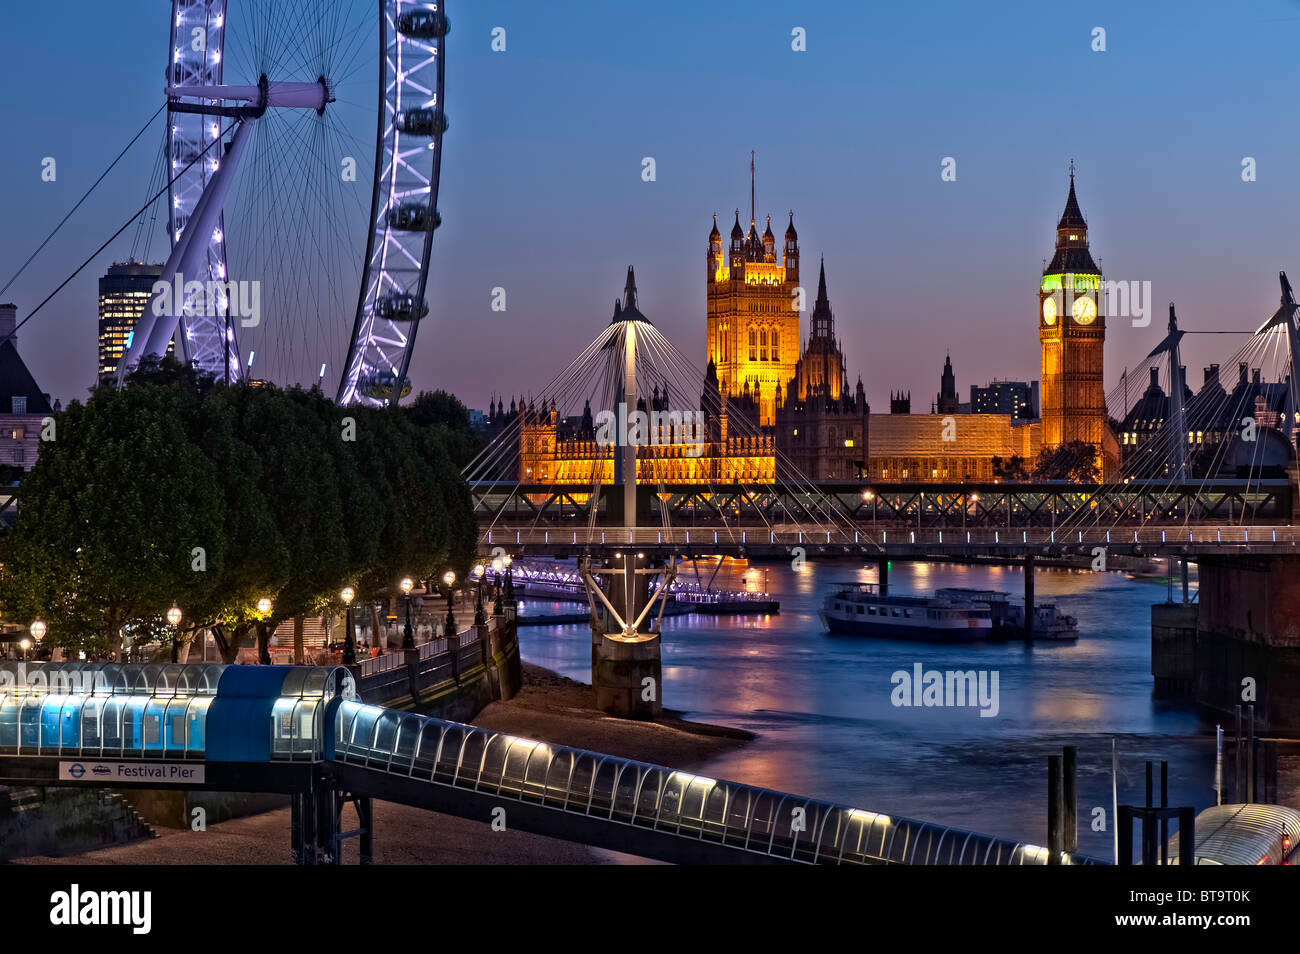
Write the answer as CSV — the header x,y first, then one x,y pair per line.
x,y
779,406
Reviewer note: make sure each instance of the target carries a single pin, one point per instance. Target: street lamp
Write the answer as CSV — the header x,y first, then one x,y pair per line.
x,y
497,565
449,578
25,644
263,637
174,618
408,634
38,630
349,644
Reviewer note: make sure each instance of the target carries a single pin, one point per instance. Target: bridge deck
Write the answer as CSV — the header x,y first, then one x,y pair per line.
x,y
904,541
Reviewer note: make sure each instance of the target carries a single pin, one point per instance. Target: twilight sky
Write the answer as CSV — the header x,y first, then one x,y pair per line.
x,y
542,191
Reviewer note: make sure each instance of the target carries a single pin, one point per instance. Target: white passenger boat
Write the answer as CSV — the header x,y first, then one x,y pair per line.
x,y
860,609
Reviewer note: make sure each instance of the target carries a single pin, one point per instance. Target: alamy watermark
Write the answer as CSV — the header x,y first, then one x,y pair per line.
x,y
946,688
640,428
209,299
55,681
1083,298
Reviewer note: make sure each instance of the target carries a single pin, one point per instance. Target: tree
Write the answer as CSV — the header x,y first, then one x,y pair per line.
x,y
1074,461
178,490
1012,468
447,416
109,517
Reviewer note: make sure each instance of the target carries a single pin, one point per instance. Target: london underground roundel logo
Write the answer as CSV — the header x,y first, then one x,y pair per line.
x,y
77,770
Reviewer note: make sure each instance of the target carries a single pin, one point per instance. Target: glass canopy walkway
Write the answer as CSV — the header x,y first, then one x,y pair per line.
x,y
305,717
617,791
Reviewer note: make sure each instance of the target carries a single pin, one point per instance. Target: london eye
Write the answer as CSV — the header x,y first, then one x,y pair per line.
x,y
279,115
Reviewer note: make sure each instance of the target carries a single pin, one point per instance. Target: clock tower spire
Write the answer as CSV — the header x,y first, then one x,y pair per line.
x,y
1072,334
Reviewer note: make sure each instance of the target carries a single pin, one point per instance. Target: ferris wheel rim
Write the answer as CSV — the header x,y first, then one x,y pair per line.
x,y
379,352
404,193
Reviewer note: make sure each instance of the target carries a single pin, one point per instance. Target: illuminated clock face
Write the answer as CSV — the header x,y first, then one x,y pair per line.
x,y
1049,310
1085,310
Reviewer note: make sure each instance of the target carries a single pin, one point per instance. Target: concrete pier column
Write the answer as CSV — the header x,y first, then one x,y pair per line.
x,y
626,668
882,575
629,676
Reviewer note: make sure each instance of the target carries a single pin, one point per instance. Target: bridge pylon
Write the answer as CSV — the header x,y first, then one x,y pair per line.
x,y
626,668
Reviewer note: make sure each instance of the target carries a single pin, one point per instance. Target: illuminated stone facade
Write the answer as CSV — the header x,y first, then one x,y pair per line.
x,y
947,448
753,313
552,452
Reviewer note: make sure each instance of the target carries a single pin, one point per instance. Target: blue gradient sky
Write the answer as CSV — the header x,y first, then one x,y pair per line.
x,y
542,191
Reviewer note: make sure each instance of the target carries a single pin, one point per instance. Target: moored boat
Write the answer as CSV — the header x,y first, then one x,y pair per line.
x,y
861,609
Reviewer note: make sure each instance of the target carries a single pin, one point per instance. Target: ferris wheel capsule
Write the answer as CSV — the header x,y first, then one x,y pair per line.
x,y
413,217
401,308
422,122
423,24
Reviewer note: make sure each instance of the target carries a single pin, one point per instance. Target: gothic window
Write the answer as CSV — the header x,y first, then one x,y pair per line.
x,y
775,352
753,345
762,345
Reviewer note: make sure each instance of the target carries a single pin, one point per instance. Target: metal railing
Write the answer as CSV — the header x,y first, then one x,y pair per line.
x,y
1202,537
617,791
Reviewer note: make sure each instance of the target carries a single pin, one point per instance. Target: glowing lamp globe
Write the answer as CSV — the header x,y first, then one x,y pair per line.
x,y
348,594
407,584
38,629
174,615
449,578
264,605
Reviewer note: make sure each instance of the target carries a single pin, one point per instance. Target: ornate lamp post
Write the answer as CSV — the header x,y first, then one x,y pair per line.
x,y
449,578
174,618
348,594
480,617
497,565
408,634
263,636
24,644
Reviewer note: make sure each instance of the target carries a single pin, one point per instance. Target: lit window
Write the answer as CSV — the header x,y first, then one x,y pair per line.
x,y
18,404
18,433
848,442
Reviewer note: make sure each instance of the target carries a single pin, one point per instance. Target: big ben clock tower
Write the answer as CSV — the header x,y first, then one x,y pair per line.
x,y
1072,331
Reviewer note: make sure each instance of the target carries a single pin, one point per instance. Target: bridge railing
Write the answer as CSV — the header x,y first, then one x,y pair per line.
x,y
653,797
1211,536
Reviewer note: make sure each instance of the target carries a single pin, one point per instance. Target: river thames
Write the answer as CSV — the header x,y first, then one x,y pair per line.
x,y
827,727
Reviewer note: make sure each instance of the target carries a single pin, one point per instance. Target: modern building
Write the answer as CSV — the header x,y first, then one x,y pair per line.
x,y
1072,335
753,302
124,291
1017,398
23,406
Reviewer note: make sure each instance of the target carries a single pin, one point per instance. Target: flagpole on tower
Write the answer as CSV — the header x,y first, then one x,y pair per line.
x,y
751,187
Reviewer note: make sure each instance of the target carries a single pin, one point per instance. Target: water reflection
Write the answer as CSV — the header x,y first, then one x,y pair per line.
x,y
827,727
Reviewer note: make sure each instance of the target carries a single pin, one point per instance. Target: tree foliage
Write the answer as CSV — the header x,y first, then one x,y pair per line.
x,y
175,489
1074,461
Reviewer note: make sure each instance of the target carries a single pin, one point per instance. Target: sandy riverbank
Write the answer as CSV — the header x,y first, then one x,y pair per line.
x,y
549,708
